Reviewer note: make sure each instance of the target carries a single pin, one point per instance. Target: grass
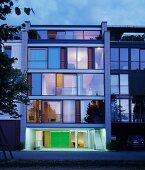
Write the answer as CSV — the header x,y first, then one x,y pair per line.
x,y
77,164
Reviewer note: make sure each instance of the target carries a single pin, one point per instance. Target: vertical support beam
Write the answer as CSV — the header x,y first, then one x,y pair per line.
x,y
76,139
107,86
104,27
24,69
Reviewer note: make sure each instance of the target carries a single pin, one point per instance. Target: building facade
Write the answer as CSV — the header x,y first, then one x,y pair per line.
x,y
82,78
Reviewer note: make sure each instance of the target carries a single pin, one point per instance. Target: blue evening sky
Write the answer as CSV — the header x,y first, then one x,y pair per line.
x,y
57,12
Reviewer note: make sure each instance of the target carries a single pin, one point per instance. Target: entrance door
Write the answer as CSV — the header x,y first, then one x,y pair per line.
x,y
60,139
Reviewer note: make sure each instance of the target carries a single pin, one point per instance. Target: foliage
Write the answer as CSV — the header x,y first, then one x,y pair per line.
x,y
20,146
13,85
139,107
13,82
132,38
33,35
95,112
116,110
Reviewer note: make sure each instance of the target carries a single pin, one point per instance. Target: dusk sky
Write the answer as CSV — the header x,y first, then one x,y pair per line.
x,y
57,12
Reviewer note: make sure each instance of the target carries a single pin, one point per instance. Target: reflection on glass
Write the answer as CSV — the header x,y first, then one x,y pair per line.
x,y
91,35
114,84
31,111
82,58
134,54
72,58
92,111
142,65
99,58
78,35
69,111
114,54
114,65
37,58
134,65
125,110
48,84
142,55
91,84
51,111
42,34
54,58
123,84
123,54
124,65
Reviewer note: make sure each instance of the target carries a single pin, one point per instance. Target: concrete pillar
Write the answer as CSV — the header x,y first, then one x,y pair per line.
x,y
24,69
104,27
107,86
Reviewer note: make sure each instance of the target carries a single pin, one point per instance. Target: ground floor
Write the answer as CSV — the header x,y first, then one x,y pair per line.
x,y
72,139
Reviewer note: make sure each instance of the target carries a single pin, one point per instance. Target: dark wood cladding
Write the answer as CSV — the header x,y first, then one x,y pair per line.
x,y
90,56
62,58
78,112
11,130
29,79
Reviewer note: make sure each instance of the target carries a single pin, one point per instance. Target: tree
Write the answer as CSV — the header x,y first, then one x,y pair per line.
x,y
13,82
95,112
116,110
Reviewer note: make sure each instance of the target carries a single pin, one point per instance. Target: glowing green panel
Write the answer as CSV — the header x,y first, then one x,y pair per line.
x,y
60,139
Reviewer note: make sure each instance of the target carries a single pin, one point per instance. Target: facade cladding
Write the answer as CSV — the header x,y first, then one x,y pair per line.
x,y
84,85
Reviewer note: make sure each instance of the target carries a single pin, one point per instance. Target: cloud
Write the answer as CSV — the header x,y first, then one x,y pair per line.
x,y
116,12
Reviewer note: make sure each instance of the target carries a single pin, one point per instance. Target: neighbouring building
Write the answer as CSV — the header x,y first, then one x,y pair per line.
x,y
74,72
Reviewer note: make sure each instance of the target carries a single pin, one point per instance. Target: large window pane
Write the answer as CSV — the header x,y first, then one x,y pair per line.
x,y
123,54
99,59
36,84
142,55
91,35
91,84
69,111
134,54
124,103
52,111
69,85
82,58
54,58
48,84
114,54
114,65
72,58
92,111
38,58
32,111
123,84
114,84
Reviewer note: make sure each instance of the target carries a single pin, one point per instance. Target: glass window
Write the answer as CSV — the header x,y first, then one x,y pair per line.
x,y
60,35
42,34
114,84
78,35
69,111
36,84
142,55
34,111
134,54
142,65
123,54
69,35
134,65
38,58
92,111
123,84
48,84
124,65
52,111
114,65
124,103
54,58
114,54
82,58
72,58
91,84
99,58
91,35
69,85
